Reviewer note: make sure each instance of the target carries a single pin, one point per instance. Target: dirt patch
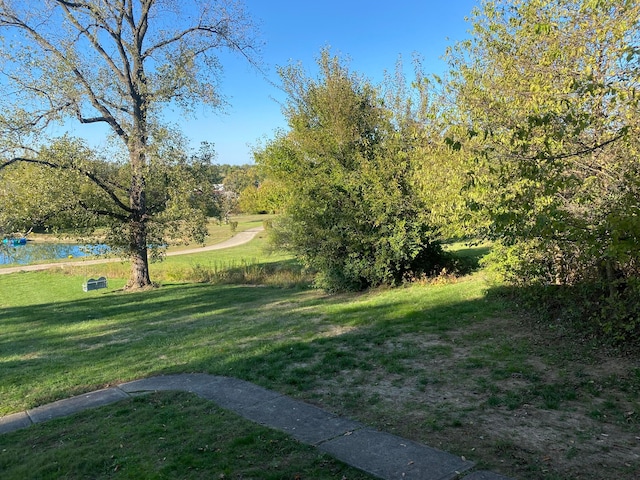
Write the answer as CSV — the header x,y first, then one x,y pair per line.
x,y
492,394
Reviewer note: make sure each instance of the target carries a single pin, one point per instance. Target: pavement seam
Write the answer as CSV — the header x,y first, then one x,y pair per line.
x,y
26,412
135,393
345,434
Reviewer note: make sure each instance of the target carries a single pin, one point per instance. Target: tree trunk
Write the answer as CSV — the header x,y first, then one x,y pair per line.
x,y
140,277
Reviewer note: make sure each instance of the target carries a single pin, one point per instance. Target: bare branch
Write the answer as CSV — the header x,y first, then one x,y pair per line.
x,y
94,41
93,98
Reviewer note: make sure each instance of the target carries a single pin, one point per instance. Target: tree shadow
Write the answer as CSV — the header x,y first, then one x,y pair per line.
x,y
260,334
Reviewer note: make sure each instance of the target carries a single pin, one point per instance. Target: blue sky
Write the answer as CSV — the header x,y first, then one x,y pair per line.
x,y
371,34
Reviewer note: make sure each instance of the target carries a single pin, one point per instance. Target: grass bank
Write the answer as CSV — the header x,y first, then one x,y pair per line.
x,y
443,363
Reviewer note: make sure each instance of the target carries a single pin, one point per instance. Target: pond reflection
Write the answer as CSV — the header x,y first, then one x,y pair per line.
x,y
41,252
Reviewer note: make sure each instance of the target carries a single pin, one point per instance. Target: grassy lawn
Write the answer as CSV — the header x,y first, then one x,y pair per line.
x,y
446,364
161,436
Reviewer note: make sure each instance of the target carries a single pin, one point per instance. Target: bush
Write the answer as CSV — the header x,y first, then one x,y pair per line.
x,y
569,293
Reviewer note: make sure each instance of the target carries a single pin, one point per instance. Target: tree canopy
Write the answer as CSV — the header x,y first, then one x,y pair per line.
x,y
118,64
351,211
545,104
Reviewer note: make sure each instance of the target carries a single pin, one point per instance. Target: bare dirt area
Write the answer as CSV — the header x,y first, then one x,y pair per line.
x,y
500,395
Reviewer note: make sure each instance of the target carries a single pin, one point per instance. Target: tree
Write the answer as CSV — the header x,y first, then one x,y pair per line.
x,y
351,212
238,177
235,179
268,197
179,191
118,64
547,102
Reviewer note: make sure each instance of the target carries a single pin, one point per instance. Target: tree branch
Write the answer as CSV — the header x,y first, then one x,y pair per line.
x,y
97,181
579,153
93,98
92,39
103,213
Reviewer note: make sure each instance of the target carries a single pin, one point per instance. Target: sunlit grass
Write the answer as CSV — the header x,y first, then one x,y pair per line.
x,y
430,361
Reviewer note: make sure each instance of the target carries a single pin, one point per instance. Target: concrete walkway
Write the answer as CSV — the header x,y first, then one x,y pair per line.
x,y
380,454
238,239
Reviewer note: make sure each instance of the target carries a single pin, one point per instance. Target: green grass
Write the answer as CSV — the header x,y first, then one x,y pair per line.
x,y
56,345
161,436
442,363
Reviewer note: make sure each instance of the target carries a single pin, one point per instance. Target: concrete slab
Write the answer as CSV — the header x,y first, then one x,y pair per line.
x,y
302,421
484,475
185,382
390,457
14,422
234,394
76,404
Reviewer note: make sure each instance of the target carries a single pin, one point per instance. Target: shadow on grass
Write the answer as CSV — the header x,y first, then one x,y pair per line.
x,y
351,353
260,334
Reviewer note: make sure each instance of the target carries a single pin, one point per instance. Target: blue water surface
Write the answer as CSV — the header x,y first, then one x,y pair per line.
x,y
34,252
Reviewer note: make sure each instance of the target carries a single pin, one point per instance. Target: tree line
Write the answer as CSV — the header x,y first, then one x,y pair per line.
x,y
530,140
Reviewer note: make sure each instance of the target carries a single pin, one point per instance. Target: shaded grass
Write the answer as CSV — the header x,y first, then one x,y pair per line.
x,y
441,363
55,348
161,436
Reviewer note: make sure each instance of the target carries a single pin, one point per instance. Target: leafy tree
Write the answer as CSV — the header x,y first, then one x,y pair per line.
x,y
422,124
118,64
208,177
547,102
268,197
235,179
352,212
73,200
238,177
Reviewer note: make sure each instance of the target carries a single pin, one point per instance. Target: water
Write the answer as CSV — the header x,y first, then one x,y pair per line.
x,y
42,252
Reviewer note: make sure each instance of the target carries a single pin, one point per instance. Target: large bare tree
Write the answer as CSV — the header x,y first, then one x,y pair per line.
x,y
119,63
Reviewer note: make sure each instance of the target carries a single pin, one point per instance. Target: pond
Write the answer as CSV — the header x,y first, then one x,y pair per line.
x,y
33,252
